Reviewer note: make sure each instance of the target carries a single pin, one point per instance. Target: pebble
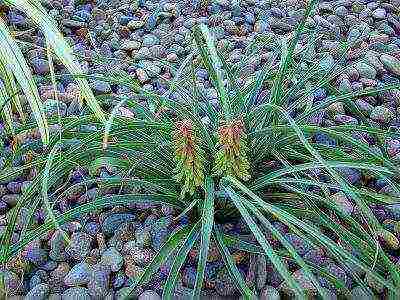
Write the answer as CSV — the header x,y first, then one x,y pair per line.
x,y
55,108
14,187
379,13
141,257
56,278
80,245
39,277
57,246
12,282
158,237
36,256
10,199
39,292
301,245
381,114
131,269
100,87
142,75
390,239
119,280
189,277
150,40
142,237
345,205
40,66
142,32
304,283
394,209
392,64
149,295
78,275
3,207
351,174
224,285
99,281
365,70
261,271
128,45
76,293
92,228
112,258
338,272
135,24
114,221
269,293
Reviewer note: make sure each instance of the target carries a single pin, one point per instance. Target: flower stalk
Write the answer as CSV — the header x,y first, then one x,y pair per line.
x,y
189,157
231,156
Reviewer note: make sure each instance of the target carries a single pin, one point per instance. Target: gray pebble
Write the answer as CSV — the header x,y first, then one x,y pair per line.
x,y
392,64
381,114
149,295
79,246
12,282
112,258
99,281
78,275
76,293
39,292
269,293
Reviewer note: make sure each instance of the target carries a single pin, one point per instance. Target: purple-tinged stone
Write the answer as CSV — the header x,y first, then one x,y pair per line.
x,y
78,275
40,66
393,147
36,256
317,118
301,245
352,175
99,281
119,280
80,246
14,187
345,119
92,228
3,207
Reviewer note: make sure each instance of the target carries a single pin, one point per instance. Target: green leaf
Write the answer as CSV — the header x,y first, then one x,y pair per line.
x,y
269,251
312,232
292,251
45,179
206,230
230,264
175,240
169,287
12,57
214,65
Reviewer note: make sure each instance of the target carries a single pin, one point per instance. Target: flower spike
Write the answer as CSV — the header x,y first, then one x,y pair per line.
x,y
231,157
189,158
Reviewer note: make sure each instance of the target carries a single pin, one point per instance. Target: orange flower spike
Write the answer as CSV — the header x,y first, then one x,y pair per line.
x,y
231,157
189,158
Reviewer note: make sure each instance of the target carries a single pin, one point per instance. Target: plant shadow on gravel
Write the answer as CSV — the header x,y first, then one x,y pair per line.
x,y
256,155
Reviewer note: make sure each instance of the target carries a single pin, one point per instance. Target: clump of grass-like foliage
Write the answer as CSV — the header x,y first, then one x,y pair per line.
x,y
175,158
